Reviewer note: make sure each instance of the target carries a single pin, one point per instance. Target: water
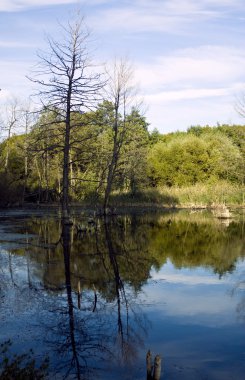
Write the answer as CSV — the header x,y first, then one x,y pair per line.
x,y
94,302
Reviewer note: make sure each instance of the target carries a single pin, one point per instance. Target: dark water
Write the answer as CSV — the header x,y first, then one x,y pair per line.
x,y
95,302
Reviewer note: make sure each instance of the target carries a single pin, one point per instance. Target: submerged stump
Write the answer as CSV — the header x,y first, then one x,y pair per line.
x,y
153,372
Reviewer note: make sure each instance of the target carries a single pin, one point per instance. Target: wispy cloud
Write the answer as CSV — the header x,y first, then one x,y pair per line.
x,y
18,5
198,75
132,19
182,82
170,96
4,95
201,66
169,115
13,79
16,44
188,279
172,16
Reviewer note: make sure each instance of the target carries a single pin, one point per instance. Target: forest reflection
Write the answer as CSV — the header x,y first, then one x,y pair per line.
x,y
127,248
88,279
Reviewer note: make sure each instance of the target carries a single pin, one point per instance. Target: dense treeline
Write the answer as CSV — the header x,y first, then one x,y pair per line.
x,y
201,155
31,162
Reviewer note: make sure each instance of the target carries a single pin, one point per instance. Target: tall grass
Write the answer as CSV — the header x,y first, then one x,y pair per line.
x,y
196,196
207,195
147,197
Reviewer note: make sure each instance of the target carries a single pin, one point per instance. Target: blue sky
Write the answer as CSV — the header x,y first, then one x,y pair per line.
x,y
188,55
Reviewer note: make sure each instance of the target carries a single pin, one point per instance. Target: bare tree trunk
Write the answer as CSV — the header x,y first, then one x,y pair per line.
x,y
39,182
111,169
11,121
66,160
7,147
119,92
26,116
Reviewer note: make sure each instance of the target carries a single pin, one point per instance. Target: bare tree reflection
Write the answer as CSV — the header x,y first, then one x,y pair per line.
x,y
84,294
81,287
128,338
66,241
83,333
239,291
77,337
119,289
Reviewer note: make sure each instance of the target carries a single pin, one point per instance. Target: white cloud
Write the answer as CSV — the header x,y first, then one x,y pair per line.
x,y
175,16
137,20
206,307
13,79
185,279
197,293
181,86
179,115
200,84
205,65
4,95
16,44
169,96
18,5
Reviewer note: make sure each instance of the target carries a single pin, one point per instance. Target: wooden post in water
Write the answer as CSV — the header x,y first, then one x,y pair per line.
x,y
157,368
148,365
153,371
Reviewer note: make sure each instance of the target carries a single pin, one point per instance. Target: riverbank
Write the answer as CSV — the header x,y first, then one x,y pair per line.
x,y
196,196
199,196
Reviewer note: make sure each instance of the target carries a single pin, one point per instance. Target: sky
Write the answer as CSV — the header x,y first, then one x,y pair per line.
x,y
188,55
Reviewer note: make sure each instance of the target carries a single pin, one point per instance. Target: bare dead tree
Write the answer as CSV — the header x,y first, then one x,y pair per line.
x,y
28,118
10,123
120,91
68,84
240,104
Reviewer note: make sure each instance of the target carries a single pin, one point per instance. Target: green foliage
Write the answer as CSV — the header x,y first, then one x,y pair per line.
x,y
138,243
180,162
12,174
31,165
195,158
132,165
11,190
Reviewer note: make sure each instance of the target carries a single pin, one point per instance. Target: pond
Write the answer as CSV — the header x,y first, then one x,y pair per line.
x,y
94,297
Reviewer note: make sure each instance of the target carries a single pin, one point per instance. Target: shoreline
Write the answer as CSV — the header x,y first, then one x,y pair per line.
x,y
117,209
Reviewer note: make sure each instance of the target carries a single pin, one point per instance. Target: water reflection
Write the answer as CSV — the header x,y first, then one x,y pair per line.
x,y
82,288
238,291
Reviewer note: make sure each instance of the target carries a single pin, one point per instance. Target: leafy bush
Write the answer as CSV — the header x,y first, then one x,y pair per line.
x,y
190,159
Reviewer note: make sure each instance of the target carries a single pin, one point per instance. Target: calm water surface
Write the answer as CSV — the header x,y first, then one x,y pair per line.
x,y
94,302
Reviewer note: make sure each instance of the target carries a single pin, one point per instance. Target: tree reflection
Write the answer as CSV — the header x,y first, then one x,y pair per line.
x,y
66,242
79,339
128,344
87,283
83,332
239,292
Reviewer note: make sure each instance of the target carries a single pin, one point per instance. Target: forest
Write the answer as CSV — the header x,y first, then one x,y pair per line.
x,y
151,167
